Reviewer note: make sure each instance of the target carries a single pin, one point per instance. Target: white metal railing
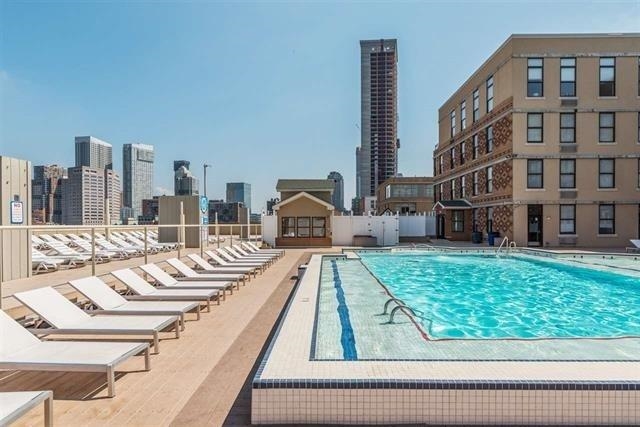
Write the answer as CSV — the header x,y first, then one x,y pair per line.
x,y
216,234
507,244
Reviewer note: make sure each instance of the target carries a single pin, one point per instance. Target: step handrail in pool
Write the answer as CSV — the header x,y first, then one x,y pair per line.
x,y
398,301
413,313
510,244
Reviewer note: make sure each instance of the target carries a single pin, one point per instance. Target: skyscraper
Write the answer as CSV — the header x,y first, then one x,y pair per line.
x,y
378,154
137,175
93,153
337,198
239,192
84,196
184,183
46,194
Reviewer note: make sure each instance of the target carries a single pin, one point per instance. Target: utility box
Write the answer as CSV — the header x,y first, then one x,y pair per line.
x,y
169,214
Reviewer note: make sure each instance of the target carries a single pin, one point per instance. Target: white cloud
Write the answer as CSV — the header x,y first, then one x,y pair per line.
x,y
163,191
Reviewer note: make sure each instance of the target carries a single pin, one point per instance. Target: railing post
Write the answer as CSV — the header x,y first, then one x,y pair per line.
x,y
93,251
146,261
231,237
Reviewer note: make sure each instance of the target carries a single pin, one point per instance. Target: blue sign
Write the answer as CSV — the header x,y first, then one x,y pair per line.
x,y
205,220
204,204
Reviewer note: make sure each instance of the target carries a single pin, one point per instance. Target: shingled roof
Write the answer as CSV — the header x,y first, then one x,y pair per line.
x,y
305,185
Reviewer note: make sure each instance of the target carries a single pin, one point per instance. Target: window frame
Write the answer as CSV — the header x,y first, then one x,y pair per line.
x,y
612,127
530,81
452,157
476,105
463,146
315,227
564,174
463,182
463,115
452,189
532,128
489,179
287,227
602,174
452,123
535,174
303,227
489,90
573,84
605,231
601,82
457,221
475,144
572,128
563,218
474,190
489,130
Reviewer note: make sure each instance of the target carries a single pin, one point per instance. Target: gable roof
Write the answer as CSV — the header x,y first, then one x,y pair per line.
x,y
305,185
452,204
300,195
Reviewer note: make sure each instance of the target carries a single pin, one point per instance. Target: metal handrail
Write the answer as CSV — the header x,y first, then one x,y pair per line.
x,y
389,301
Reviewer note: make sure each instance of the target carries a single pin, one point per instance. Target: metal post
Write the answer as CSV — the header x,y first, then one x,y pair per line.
x,y
146,252
181,229
217,229
205,178
231,237
93,251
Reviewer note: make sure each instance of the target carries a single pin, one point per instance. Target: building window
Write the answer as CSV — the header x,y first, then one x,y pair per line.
x,y
607,219
474,220
476,105
489,139
463,147
452,157
463,115
475,146
319,227
568,128
567,173
453,189
534,127
534,77
441,163
441,190
288,226
638,183
475,183
489,219
457,221
568,77
489,94
452,117
490,179
304,226
607,127
607,173
567,219
534,173
607,76
463,185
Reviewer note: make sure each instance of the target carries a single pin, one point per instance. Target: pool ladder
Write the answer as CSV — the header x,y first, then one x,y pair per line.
x,y
400,304
507,244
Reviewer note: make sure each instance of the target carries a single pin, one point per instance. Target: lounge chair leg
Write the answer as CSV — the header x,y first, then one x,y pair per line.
x,y
147,359
198,312
48,412
111,379
156,342
182,322
177,327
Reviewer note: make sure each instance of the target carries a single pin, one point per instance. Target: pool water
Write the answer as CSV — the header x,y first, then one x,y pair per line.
x,y
485,297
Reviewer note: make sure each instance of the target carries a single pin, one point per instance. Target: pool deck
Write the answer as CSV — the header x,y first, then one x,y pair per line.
x,y
196,380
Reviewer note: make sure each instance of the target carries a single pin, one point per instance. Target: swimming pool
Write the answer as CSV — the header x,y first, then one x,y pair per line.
x,y
484,296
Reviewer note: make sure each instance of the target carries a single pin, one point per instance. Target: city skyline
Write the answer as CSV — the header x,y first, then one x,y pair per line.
x,y
42,102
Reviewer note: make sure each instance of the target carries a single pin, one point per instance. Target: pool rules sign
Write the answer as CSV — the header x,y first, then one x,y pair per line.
x,y
16,210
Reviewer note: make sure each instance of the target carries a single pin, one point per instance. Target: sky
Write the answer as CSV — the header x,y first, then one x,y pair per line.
x,y
259,90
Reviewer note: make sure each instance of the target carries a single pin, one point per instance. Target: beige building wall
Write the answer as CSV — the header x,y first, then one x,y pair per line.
x,y
304,207
15,256
169,214
508,65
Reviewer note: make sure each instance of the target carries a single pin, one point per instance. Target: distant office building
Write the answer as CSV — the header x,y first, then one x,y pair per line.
x,y
184,183
85,193
405,195
239,192
137,175
46,194
270,204
149,211
228,213
125,214
93,153
378,154
358,172
338,193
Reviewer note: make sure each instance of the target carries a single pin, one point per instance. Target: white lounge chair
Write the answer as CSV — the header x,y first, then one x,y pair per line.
x,y
245,253
190,274
238,256
146,292
206,267
37,242
15,404
251,247
220,261
67,261
66,318
108,246
85,245
60,249
21,350
233,259
635,247
164,279
111,302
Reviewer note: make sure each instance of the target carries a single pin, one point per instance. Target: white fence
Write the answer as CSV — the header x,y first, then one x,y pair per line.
x,y
387,229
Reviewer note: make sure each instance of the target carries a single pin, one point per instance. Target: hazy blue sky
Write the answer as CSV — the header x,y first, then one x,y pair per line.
x,y
260,90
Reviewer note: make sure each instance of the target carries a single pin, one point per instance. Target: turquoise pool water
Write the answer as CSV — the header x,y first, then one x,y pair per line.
x,y
481,296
